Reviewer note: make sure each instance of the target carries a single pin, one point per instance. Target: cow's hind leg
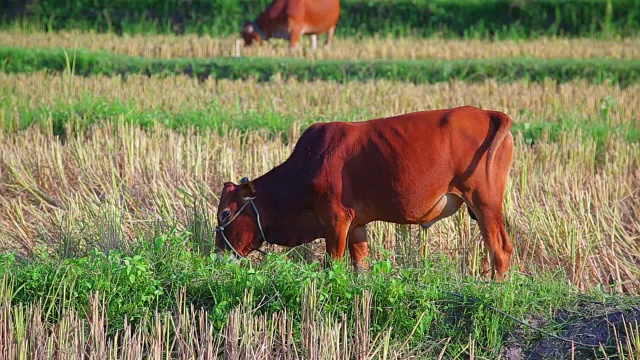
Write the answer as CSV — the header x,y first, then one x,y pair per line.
x,y
483,193
358,247
495,236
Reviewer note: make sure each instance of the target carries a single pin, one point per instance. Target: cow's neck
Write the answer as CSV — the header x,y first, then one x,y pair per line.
x,y
285,218
258,28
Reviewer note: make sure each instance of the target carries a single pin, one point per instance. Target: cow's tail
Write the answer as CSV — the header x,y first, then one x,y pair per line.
x,y
503,127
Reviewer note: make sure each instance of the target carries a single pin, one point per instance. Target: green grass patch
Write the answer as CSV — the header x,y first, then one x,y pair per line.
x,y
451,18
416,302
623,72
75,117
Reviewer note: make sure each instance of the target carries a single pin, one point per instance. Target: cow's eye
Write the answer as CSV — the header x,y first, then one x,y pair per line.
x,y
224,215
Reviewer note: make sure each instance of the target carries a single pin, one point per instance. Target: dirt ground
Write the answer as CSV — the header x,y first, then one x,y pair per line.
x,y
594,324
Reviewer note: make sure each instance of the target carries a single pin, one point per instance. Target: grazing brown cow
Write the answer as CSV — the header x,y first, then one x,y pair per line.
x,y
415,168
290,19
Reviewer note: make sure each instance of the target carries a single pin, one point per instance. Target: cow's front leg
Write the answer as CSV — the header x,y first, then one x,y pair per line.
x,y
295,34
336,241
314,41
358,247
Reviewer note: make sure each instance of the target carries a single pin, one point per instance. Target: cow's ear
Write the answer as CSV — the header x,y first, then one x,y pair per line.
x,y
228,186
247,190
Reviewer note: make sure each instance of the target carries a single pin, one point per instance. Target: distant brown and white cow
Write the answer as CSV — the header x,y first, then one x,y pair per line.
x,y
290,19
415,168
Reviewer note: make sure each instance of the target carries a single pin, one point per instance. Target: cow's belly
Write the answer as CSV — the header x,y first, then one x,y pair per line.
x,y
415,193
314,29
446,206
281,32
424,211
411,206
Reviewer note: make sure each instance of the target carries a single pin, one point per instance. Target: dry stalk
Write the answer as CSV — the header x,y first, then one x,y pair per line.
x,y
328,100
193,46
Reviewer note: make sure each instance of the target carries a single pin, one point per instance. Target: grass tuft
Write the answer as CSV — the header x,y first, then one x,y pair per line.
x,y
170,299
619,71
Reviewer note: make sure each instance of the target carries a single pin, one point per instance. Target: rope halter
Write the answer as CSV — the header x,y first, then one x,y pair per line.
x,y
257,29
220,228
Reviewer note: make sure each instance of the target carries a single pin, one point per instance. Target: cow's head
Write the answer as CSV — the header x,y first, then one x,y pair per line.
x,y
239,229
251,33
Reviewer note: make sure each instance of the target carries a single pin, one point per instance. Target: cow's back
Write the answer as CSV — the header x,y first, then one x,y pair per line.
x,y
315,15
392,164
